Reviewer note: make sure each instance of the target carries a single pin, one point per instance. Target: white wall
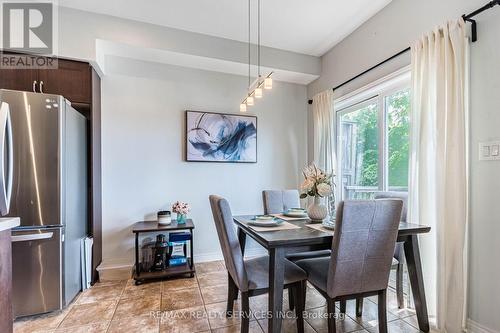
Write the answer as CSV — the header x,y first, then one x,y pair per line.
x,y
143,110
395,28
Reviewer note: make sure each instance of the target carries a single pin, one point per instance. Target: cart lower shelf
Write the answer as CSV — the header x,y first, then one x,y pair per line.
x,y
173,271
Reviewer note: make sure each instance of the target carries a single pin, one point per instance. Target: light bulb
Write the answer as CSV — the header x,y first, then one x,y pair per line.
x,y
243,107
249,100
258,93
268,83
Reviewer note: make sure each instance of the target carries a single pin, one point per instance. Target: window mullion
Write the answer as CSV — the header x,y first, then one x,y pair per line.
x,y
383,154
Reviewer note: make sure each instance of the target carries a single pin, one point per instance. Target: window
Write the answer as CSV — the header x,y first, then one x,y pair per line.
x,y
373,138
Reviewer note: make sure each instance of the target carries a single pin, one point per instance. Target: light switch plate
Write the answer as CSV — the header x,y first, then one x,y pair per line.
x,y
489,151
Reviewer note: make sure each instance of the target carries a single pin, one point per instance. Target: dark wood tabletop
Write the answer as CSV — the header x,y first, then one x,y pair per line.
x,y
306,235
152,226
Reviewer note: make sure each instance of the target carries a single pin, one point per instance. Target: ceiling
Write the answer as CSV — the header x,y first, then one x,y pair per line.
x,y
305,26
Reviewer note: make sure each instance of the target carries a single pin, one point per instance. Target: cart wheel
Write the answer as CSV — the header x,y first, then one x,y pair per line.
x,y
138,282
191,275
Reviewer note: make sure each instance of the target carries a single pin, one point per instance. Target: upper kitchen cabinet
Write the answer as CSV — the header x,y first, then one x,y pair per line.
x,y
72,79
19,79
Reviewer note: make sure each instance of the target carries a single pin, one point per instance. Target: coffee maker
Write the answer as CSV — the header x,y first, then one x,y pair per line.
x,y
161,254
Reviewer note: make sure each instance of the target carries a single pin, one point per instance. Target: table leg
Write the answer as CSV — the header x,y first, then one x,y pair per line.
x,y
242,238
191,241
412,254
276,281
137,265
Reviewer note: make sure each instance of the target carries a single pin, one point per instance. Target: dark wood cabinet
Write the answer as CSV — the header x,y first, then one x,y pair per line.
x,y
5,282
72,79
79,83
18,79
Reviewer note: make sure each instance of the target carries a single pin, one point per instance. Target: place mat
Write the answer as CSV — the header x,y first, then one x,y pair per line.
x,y
289,218
282,226
319,227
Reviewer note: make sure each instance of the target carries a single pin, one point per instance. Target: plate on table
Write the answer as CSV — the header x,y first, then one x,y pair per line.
x,y
328,225
265,221
295,212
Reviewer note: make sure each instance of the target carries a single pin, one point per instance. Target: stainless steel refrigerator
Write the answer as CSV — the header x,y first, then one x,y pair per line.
x,y
43,180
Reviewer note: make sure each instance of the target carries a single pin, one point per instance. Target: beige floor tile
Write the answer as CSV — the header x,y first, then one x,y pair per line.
x,y
41,323
412,320
83,314
101,293
132,307
253,328
396,326
370,313
179,284
213,279
181,299
135,325
259,305
142,290
192,319
209,267
109,283
217,315
214,294
90,328
317,318
314,299
289,325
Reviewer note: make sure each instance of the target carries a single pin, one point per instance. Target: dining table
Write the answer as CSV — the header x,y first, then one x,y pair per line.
x,y
307,234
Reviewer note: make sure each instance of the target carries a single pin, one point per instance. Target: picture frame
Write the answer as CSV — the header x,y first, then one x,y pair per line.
x,y
220,137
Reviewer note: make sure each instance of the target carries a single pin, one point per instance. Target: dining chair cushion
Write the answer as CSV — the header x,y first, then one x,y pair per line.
x,y
293,257
258,273
317,270
277,201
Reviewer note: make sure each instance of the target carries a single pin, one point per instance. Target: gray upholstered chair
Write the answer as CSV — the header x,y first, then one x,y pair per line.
x,y
362,251
250,276
276,202
398,262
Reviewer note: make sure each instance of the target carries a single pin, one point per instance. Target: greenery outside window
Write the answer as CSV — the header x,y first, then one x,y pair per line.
x,y
373,138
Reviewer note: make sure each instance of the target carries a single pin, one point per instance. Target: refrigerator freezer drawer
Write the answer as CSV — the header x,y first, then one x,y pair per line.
x,y
36,271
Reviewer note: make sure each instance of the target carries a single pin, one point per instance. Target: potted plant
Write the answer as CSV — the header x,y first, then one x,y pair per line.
x,y
181,209
318,184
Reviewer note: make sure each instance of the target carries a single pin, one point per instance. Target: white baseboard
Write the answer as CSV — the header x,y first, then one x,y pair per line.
x,y
121,269
475,327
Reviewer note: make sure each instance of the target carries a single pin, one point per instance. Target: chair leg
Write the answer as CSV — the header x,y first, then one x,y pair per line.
x,y
332,325
299,305
359,306
291,298
343,306
399,286
232,295
382,311
245,313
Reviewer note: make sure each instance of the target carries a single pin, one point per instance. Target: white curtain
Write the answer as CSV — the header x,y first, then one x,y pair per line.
x,y
439,168
324,136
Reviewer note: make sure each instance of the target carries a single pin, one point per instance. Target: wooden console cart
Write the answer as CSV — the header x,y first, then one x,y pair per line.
x,y
140,275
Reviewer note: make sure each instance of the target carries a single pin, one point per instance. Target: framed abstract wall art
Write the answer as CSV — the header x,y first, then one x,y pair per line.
x,y
219,137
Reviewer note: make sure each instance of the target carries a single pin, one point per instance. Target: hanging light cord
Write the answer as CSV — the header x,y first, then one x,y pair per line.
x,y
258,34
249,45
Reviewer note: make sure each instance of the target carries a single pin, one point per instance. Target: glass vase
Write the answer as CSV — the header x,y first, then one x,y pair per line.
x,y
181,218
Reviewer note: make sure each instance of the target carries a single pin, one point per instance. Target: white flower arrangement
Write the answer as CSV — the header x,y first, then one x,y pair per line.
x,y
180,207
317,183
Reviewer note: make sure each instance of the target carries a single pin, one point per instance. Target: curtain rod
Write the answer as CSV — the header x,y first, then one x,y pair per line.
x,y
467,18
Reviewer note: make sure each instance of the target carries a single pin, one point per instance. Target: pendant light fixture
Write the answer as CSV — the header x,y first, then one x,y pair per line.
x,y
255,89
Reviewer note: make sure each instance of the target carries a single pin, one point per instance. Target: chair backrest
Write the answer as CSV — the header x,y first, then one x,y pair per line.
x,y
277,201
363,246
228,240
396,195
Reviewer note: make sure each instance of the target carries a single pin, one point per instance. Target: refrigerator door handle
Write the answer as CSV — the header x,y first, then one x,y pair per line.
x,y
31,237
6,167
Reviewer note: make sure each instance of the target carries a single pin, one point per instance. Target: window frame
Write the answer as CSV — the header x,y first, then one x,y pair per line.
x,y
378,91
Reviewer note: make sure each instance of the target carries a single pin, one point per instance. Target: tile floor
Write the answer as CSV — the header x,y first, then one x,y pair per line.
x,y
193,305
